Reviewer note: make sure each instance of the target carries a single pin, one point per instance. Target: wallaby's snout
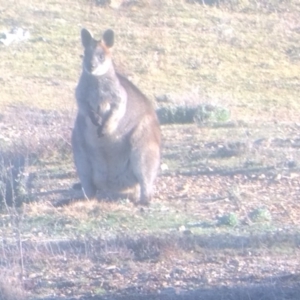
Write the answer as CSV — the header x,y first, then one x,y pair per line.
x,y
96,59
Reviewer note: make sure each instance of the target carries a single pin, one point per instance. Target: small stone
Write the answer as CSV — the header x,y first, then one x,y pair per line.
x,y
277,177
164,167
182,228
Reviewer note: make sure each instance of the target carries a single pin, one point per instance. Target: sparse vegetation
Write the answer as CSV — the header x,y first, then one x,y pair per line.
x,y
230,219
224,222
200,114
10,290
261,214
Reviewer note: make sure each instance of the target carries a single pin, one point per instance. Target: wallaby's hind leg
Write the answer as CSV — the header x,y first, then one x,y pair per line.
x,y
84,171
145,165
82,162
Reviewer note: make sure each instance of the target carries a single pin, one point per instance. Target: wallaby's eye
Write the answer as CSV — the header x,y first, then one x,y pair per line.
x,y
101,56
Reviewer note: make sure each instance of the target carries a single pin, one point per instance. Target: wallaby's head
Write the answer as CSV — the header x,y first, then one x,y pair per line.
x,y
97,54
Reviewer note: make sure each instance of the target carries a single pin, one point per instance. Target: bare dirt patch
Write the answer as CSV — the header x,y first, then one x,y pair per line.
x,y
222,224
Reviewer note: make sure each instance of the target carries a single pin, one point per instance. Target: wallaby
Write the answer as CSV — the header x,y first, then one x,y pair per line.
x,y
116,137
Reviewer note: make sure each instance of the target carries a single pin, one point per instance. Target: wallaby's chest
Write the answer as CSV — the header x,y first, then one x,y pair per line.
x,y
106,143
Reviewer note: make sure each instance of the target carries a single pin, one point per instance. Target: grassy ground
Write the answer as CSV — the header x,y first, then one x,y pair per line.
x,y
224,223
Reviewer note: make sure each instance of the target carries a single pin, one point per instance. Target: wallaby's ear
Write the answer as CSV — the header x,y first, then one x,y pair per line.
x,y
86,37
108,38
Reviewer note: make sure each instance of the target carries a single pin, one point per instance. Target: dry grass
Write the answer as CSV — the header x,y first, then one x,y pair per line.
x,y
10,288
247,58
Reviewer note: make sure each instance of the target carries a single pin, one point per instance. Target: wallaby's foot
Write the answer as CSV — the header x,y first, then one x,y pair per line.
x,y
81,193
143,203
145,200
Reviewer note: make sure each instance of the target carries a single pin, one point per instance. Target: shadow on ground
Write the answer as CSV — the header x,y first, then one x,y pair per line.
x,y
270,288
151,247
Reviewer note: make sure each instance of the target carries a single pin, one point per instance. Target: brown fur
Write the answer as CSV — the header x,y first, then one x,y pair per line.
x,y
116,136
